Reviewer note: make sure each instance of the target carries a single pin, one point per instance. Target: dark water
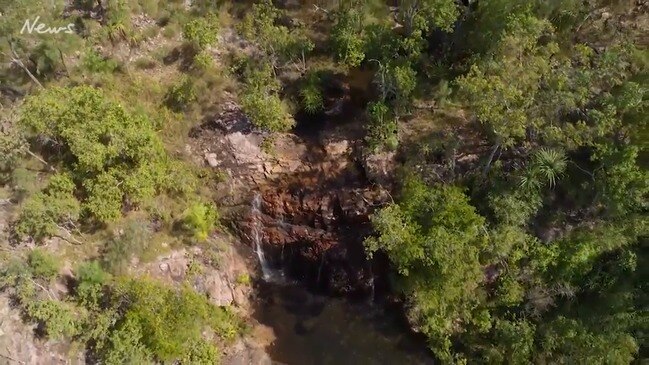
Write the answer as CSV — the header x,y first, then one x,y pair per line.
x,y
317,330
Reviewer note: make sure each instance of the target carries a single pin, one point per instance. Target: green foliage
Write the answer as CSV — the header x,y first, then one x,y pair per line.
x,y
12,148
43,265
507,106
59,320
382,127
434,238
203,61
546,166
279,44
112,155
45,212
514,208
90,281
170,322
427,14
261,102
623,182
201,32
125,345
569,341
311,94
181,94
347,41
94,62
200,352
244,279
200,219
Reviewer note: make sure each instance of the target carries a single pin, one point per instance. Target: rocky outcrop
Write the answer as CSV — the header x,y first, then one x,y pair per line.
x,y
316,195
217,274
19,345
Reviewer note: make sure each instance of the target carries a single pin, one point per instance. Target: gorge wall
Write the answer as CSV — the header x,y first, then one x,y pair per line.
x,y
317,188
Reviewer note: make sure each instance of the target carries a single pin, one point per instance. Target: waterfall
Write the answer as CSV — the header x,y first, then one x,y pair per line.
x,y
268,273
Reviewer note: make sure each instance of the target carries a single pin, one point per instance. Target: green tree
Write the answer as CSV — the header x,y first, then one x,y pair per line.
x,y
90,281
279,44
43,265
47,213
201,32
59,319
424,15
112,155
434,238
347,40
311,93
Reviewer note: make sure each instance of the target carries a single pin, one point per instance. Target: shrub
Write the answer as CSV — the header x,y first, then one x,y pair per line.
x,y
200,219
125,345
200,352
181,94
112,155
12,148
91,278
311,94
168,319
267,111
44,212
42,264
94,62
58,319
203,60
382,128
201,32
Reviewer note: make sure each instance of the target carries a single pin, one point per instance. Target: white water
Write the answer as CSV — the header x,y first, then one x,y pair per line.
x,y
268,273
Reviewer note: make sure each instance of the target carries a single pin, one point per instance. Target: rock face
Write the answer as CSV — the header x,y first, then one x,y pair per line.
x,y
220,281
317,193
18,345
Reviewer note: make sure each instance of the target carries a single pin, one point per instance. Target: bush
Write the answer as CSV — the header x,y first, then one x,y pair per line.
x,y
113,156
200,219
42,264
59,320
12,148
168,319
201,32
382,128
44,212
90,280
125,345
94,62
203,61
181,94
311,94
267,111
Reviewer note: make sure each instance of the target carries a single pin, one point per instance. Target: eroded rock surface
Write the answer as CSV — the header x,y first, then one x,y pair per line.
x,y
317,191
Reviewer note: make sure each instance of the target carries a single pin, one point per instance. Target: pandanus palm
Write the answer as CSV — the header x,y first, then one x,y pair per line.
x,y
546,167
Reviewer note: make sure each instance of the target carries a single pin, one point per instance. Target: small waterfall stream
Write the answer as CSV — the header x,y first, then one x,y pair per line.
x,y
269,274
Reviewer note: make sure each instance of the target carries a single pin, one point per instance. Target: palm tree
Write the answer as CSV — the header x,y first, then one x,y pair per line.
x,y
547,165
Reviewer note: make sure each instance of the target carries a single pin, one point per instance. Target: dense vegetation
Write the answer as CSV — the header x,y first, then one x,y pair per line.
x,y
535,252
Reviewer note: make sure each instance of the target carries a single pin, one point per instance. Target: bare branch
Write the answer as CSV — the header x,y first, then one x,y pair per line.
x,y
16,60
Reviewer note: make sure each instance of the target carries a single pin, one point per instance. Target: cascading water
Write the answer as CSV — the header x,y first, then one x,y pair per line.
x,y
268,273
